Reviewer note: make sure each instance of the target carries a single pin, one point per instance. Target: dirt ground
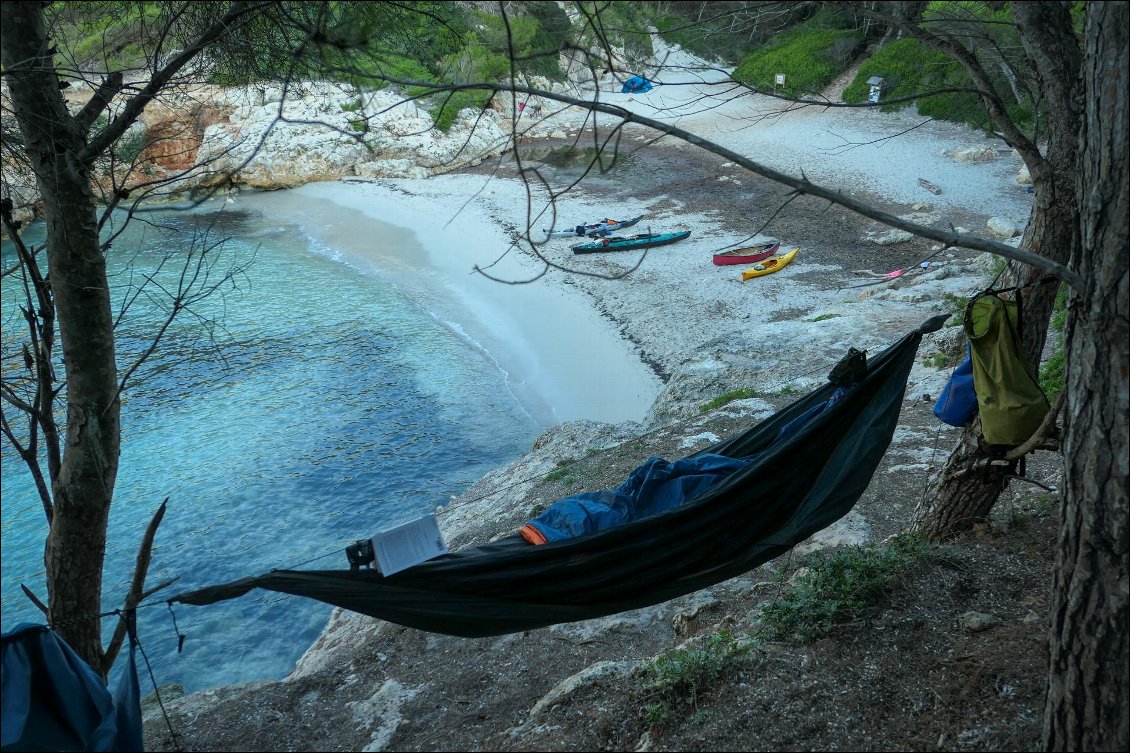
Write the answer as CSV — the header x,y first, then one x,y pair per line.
x,y
911,674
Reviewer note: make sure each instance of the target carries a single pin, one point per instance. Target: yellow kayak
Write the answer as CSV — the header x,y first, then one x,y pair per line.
x,y
769,265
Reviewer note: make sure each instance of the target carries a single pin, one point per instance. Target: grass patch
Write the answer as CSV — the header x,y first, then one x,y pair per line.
x,y
824,317
556,474
810,55
956,305
677,678
743,393
842,586
1052,370
940,361
1052,374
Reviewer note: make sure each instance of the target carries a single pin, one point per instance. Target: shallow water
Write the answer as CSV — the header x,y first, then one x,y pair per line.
x,y
326,405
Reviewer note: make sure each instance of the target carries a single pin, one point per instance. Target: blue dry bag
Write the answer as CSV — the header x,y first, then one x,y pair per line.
x,y
957,404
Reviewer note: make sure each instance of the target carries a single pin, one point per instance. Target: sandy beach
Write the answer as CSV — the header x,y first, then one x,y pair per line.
x,y
561,358
597,336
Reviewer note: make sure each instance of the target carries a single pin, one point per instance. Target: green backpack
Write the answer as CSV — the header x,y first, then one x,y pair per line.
x,y
1009,398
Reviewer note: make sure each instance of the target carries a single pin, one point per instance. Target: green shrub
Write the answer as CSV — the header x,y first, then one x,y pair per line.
x,y
446,112
840,587
374,72
659,716
909,67
810,58
554,31
1052,371
940,361
130,146
956,305
677,678
623,24
709,39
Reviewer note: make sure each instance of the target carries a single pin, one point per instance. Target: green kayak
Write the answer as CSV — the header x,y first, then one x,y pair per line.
x,y
629,242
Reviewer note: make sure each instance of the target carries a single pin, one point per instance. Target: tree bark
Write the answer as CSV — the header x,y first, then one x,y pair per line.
x,y
1088,700
965,490
77,271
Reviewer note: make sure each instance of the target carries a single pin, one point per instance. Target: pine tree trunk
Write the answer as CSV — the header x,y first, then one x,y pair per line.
x,y
84,486
1088,701
966,489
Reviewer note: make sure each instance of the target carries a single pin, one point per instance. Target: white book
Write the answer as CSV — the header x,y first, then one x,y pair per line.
x,y
402,546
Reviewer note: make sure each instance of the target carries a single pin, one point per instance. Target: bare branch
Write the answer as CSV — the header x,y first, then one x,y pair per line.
x,y
137,586
141,100
801,185
34,599
1041,433
109,87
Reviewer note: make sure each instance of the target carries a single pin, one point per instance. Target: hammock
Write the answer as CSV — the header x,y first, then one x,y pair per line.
x,y
796,486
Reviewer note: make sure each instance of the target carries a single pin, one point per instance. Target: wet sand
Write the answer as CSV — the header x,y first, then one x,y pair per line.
x,y
562,359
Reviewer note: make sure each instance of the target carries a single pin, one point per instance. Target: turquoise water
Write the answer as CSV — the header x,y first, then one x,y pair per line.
x,y
323,405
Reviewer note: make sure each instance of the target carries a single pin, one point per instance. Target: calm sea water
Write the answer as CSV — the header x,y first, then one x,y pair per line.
x,y
284,418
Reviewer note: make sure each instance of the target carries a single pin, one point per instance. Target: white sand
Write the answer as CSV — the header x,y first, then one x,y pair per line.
x,y
567,361
562,359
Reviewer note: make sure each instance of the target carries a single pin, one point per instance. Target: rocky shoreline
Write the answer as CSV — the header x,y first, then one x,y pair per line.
x,y
371,685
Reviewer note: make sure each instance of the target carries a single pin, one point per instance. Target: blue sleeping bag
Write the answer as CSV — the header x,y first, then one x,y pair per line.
x,y
957,405
656,486
53,700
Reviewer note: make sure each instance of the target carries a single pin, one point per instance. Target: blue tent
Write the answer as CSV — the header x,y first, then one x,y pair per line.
x,y
53,700
636,85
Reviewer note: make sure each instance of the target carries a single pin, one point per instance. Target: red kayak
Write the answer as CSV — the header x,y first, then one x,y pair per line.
x,y
747,255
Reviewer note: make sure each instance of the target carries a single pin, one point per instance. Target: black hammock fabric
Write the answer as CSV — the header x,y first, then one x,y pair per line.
x,y
793,489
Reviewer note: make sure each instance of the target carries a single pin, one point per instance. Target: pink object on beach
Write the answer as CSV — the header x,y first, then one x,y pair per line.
x,y
892,275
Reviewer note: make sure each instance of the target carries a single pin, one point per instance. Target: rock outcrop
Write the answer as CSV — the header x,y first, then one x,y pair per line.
x,y
266,137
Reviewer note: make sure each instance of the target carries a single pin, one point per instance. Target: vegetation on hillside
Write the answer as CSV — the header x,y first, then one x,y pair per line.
x,y
910,67
810,56
372,43
719,37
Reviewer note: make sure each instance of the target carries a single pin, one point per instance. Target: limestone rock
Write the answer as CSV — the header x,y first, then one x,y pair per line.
x,y
977,622
1002,227
975,154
